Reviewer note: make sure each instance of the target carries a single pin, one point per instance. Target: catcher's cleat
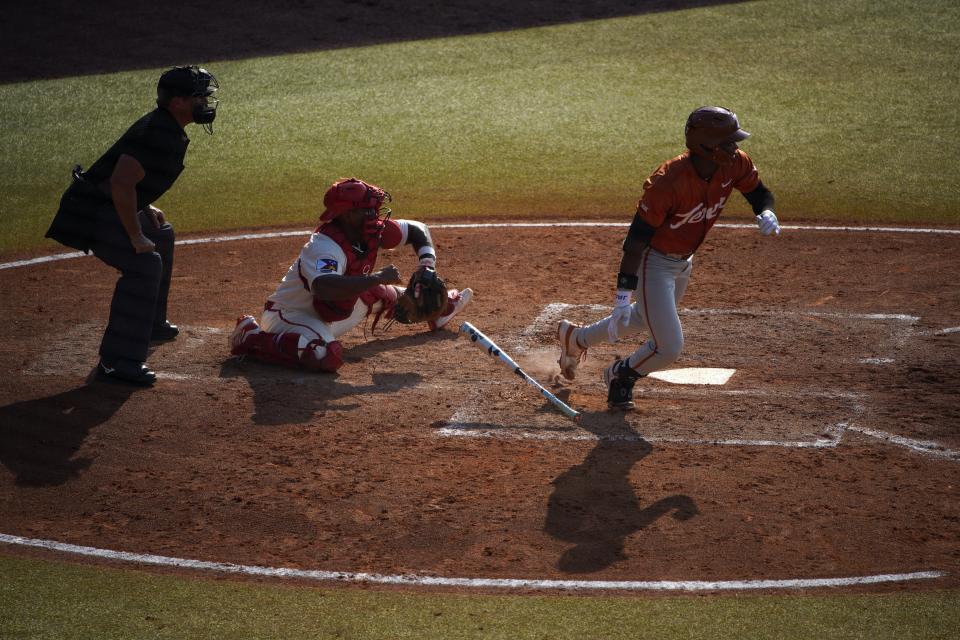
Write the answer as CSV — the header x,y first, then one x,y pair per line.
x,y
458,300
620,378
126,371
571,353
246,326
164,332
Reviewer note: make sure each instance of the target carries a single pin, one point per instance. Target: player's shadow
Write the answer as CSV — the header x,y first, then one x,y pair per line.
x,y
287,396
594,505
39,438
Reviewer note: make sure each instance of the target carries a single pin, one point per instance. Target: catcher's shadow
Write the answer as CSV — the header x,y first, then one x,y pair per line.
x,y
286,396
594,506
39,438
375,343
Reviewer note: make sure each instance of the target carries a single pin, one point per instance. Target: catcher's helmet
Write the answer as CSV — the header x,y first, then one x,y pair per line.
x,y
352,193
709,127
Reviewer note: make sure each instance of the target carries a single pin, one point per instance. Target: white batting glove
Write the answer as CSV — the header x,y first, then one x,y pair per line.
x,y
767,221
620,315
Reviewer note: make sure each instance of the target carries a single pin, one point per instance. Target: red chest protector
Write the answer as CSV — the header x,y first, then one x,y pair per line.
x,y
358,264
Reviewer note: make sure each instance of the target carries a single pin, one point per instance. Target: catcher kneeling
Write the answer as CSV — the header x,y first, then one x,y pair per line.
x,y
333,286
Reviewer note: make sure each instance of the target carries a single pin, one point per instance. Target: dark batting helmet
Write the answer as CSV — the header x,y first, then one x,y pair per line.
x,y
708,128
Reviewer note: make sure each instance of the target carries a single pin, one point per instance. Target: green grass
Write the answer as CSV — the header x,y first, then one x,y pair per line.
x,y
42,599
852,106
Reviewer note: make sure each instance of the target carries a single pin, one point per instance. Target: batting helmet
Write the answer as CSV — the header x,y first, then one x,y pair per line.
x,y
351,193
709,127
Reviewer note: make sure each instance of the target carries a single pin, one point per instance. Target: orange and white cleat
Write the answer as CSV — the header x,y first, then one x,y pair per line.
x,y
571,353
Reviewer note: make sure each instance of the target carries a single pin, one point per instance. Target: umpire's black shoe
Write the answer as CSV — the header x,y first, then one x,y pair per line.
x,y
620,378
126,371
164,332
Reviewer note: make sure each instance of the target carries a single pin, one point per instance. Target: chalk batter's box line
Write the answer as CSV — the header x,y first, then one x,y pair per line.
x,y
466,415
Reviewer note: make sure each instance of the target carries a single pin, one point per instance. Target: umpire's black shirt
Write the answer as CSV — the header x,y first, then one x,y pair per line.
x,y
158,143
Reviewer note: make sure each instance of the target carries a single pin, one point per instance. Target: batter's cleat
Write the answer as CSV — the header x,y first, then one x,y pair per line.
x,y
620,378
459,300
126,371
246,326
164,332
571,353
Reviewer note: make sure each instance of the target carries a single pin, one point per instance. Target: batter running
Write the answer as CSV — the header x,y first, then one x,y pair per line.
x,y
681,201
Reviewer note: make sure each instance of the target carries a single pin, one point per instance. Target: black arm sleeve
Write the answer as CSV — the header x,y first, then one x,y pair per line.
x,y
418,235
760,199
638,235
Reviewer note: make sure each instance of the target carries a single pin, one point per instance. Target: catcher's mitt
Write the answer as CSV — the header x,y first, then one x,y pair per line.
x,y
424,299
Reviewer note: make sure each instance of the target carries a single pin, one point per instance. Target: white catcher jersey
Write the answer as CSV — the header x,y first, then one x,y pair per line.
x,y
320,256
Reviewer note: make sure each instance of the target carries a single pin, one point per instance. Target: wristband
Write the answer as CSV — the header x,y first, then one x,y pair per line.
x,y
623,298
427,256
627,282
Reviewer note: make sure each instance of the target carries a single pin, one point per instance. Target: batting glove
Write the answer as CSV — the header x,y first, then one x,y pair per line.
x,y
767,221
620,315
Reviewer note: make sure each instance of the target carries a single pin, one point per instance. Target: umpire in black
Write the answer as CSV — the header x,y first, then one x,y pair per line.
x,y
108,209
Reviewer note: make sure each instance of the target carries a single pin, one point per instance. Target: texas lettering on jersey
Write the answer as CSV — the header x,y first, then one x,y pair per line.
x,y
698,214
683,207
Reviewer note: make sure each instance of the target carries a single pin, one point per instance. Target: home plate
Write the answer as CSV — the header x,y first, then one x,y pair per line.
x,y
694,375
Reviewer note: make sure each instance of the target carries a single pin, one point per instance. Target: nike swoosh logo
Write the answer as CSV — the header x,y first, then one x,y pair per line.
x,y
727,183
107,369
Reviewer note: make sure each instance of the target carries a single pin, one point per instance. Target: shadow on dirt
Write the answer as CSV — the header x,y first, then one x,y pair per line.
x,y
594,505
288,396
57,38
39,438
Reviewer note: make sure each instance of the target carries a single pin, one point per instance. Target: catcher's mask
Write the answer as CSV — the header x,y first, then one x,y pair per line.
x,y
712,133
354,193
194,82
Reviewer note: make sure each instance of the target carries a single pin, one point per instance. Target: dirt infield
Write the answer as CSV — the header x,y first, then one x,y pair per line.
x,y
832,451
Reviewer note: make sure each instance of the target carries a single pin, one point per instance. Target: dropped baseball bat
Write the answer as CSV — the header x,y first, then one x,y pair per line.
x,y
476,336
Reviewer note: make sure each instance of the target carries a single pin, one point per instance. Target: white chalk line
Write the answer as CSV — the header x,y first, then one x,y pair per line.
x,y
413,579
926,447
901,317
836,433
486,225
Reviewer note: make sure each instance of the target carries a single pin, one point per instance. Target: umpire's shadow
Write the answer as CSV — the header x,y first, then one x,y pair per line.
x,y
288,396
39,438
594,506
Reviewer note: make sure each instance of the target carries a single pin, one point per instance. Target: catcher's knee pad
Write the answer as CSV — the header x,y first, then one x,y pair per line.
x,y
317,355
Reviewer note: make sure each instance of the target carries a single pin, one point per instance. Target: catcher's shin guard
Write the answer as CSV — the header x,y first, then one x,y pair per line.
x,y
620,378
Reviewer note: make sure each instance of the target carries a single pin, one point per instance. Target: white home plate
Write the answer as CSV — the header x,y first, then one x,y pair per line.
x,y
694,375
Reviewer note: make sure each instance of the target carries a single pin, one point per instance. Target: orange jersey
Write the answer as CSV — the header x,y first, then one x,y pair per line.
x,y
682,206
